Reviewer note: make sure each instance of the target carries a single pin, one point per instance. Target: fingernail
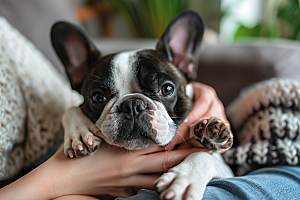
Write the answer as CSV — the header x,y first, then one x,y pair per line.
x,y
186,120
191,67
170,195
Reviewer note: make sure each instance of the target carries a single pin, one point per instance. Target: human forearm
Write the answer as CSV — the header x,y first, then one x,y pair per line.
x,y
111,171
52,179
35,185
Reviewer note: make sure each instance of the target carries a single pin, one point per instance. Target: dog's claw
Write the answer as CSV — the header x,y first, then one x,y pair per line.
x,y
190,198
90,141
170,195
95,148
80,148
159,184
70,153
81,152
81,134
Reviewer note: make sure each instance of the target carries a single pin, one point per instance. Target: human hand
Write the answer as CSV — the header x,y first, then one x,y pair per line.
x,y
116,171
111,170
206,105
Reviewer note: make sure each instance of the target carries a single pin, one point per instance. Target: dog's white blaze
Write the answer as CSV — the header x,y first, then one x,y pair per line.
x,y
124,72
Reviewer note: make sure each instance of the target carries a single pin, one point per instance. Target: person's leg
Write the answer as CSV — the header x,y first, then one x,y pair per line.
x,y
143,195
281,182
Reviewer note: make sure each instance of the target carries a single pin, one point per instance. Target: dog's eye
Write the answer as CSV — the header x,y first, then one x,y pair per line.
x,y
98,98
166,90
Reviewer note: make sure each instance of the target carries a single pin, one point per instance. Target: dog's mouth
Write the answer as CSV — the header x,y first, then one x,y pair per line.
x,y
133,144
130,124
136,139
137,135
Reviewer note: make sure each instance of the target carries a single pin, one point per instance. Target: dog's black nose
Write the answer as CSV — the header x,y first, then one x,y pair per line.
x,y
132,107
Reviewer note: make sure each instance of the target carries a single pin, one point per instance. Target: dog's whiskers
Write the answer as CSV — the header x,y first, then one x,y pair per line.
x,y
95,80
92,75
124,150
129,151
110,148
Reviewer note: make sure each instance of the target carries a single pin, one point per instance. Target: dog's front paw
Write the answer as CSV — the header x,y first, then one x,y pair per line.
x,y
80,141
178,185
188,180
214,134
80,131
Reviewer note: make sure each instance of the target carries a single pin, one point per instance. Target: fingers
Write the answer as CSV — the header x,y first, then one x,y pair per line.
x,y
122,192
206,104
129,186
203,98
141,180
148,150
162,161
75,197
183,133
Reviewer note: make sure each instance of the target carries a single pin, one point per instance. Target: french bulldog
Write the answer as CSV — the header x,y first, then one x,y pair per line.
x,y
139,98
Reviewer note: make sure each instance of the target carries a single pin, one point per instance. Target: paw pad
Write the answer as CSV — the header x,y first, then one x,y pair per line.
x,y
213,134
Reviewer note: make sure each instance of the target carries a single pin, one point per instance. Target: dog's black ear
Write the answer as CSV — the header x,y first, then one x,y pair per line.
x,y
75,51
181,40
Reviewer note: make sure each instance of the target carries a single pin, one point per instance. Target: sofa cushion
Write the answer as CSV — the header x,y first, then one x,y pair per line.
x,y
231,67
34,19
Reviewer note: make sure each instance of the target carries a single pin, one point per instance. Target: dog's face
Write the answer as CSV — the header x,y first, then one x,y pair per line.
x,y
132,97
135,98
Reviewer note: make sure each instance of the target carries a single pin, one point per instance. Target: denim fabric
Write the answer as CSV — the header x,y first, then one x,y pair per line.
x,y
143,195
267,183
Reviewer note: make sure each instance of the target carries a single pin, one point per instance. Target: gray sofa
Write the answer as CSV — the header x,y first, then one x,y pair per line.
x,y
226,67
230,67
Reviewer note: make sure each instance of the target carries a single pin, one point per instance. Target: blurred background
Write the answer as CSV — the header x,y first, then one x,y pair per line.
x,y
227,20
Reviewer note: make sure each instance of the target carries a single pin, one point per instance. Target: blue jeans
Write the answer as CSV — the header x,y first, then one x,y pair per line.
x,y
282,182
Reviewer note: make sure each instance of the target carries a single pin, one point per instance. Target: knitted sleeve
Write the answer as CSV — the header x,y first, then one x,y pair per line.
x,y
266,122
33,96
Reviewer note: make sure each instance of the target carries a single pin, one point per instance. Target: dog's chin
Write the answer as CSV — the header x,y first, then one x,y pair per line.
x,y
136,144
138,136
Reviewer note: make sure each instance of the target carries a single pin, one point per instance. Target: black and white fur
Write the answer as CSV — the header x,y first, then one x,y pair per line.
x,y
138,98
